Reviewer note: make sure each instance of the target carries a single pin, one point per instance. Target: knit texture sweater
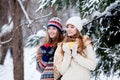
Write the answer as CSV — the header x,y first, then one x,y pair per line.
x,y
45,65
77,68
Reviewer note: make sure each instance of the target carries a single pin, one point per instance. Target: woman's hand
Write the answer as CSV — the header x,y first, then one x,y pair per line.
x,y
66,49
74,49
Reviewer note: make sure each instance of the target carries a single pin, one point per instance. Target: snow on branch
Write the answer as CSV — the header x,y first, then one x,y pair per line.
x,y
94,20
7,28
24,11
1,43
27,16
43,16
43,3
10,39
107,11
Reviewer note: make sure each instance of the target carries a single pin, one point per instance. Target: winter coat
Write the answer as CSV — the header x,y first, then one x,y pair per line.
x,y
77,68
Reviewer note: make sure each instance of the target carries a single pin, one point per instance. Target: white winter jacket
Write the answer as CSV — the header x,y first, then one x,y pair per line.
x,y
77,68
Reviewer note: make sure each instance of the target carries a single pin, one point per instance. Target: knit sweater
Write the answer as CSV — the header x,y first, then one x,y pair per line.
x,y
45,65
77,68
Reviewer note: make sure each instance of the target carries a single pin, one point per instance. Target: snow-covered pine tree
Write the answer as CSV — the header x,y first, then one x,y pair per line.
x,y
86,7
105,31
36,39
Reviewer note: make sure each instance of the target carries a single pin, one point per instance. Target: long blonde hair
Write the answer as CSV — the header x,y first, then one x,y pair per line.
x,y
77,37
59,38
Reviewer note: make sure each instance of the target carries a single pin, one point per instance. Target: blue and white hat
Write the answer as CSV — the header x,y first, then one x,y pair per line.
x,y
55,22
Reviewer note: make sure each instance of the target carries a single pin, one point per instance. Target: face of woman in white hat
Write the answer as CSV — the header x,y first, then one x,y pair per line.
x,y
71,30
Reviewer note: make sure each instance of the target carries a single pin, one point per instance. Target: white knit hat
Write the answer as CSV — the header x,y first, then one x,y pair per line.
x,y
76,21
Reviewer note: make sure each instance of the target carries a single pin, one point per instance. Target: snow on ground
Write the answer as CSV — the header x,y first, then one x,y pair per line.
x,y
30,64
6,70
30,72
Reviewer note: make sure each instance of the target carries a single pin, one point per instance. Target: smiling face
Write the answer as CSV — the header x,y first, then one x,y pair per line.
x,y
52,32
71,30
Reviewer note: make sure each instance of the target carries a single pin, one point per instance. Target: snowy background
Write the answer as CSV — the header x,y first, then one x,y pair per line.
x,y
30,72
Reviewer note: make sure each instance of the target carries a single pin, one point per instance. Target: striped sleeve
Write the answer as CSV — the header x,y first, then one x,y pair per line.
x,y
41,65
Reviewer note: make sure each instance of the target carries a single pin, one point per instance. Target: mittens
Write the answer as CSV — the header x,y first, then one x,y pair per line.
x,y
66,49
47,52
74,49
45,57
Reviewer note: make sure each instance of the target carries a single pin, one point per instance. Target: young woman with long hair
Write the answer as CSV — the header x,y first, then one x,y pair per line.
x,y
45,55
74,56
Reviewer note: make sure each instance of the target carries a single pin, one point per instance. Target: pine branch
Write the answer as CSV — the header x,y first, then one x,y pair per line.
x,y
95,19
1,43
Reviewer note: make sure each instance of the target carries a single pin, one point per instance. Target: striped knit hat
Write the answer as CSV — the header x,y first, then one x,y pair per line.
x,y
55,22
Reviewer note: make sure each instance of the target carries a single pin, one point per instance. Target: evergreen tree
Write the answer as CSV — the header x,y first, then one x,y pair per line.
x,y
105,30
86,7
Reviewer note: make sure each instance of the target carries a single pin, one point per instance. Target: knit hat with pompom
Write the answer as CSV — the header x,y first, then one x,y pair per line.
x,y
55,22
